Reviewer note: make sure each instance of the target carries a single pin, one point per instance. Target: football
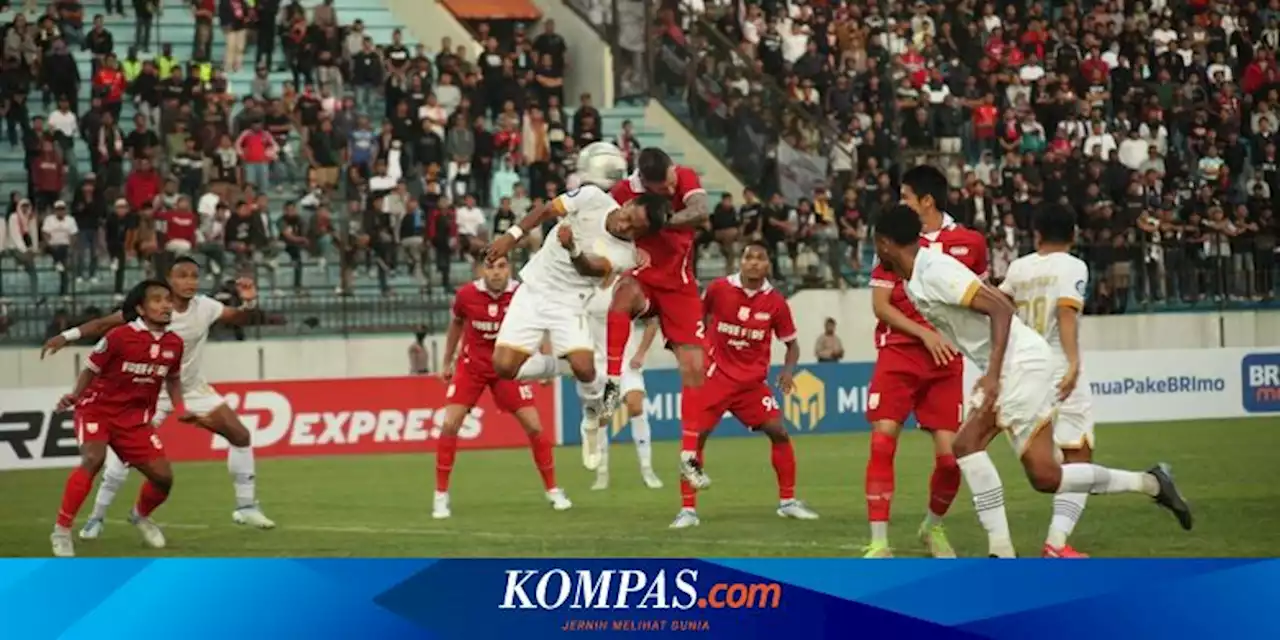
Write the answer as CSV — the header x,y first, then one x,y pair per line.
x,y
601,164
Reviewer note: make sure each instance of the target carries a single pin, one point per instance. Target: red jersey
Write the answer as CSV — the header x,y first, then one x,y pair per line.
x,y
132,363
742,326
179,225
481,312
670,250
963,244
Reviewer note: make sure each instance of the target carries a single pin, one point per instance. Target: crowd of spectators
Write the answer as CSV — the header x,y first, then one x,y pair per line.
x,y
381,157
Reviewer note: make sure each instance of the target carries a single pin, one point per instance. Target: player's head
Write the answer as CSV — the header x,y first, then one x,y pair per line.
x,y
1055,224
184,278
897,235
151,300
657,171
924,189
755,265
496,274
645,214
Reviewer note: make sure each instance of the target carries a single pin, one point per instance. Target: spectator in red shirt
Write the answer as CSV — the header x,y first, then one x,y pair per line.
x,y
143,184
48,176
984,123
179,227
109,83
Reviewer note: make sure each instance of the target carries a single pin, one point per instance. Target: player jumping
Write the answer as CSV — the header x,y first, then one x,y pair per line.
x,y
1017,392
1047,288
667,287
114,398
194,314
745,313
917,371
594,241
632,389
478,310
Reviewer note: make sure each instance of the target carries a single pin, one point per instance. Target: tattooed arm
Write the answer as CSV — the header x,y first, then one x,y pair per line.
x,y
696,212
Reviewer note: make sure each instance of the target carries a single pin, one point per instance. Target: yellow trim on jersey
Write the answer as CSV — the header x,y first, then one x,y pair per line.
x,y
1047,421
1085,440
557,205
1070,303
970,293
513,347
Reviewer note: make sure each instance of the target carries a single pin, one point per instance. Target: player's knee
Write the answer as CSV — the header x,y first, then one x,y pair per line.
x,y
452,423
583,366
92,461
963,446
1045,478
776,432
506,368
889,428
635,405
237,435
163,480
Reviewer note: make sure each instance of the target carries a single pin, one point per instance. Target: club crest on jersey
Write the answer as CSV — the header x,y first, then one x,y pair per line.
x,y
155,351
493,310
91,427
744,313
1080,287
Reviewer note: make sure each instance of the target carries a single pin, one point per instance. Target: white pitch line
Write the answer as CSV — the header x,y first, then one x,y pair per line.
x,y
503,535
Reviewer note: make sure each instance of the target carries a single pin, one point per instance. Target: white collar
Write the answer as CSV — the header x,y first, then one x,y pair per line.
x,y
736,280
948,223
511,286
141,325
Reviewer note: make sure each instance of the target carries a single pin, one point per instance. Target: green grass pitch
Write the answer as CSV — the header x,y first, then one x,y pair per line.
x,y
380,506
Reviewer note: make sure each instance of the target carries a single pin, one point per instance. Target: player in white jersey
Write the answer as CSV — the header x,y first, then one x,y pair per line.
x,y
631,386
1048,287
193,316
593,243
1016,394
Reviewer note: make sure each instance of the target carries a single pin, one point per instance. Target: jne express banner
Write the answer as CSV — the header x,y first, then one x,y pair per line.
x,y
287,418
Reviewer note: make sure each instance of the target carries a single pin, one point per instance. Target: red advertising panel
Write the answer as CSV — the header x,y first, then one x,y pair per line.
x,y
359,416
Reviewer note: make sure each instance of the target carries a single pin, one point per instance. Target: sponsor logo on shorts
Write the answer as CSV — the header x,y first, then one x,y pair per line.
x,y
1260,373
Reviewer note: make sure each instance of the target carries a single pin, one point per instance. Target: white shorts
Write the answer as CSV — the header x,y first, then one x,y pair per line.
x,y
1026,403
1073,428
534,314
201,400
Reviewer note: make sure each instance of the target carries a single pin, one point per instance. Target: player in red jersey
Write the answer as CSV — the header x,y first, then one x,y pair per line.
x,y
917,371
744,313
666,287
478,310
115,398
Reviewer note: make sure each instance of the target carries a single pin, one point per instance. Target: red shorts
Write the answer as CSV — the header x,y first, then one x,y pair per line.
x,y
753,403
907,381
679,313
135,444
509,395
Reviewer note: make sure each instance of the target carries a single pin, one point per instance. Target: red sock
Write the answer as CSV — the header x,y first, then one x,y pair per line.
x,y
688,496
545,459
446,451
879,482
149,498
79,483
619,331
943,484
784,466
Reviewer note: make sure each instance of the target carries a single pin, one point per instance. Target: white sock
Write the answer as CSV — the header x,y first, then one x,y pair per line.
x,y
1067,509
1086,477
240,465
539,366
880,532
988,500
592,393
603,469
114,473
641,435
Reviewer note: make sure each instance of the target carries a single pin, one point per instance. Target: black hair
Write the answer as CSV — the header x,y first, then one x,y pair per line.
x,y
1056,223
653,164
927,180
756,244
900,225
136,296
657,208
184,260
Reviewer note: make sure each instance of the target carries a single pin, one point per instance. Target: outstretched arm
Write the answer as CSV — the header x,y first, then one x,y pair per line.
x,y
696,211
95,328
248,292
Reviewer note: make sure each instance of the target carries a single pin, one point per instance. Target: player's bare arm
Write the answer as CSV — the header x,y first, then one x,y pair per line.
x,y
503,244
696,211
451,340
247,290
942,351
95,328
789,361
993,304
587,264
82,382
1069,335
646,341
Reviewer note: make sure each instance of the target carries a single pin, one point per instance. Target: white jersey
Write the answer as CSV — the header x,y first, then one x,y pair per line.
x,y
193,327
941,287
1039,284
586,211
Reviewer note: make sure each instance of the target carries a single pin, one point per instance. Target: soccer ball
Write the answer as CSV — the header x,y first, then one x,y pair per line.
x,y
601,164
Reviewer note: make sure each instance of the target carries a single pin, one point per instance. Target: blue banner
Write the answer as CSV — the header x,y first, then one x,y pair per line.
x,y
530,599
828,397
